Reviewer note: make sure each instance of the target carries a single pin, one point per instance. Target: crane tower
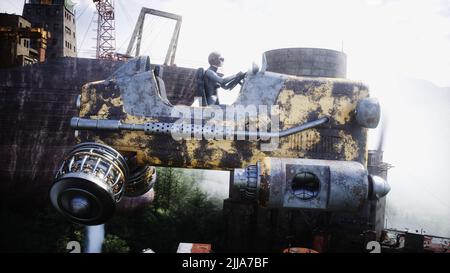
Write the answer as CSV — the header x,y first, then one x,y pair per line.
x,y
106,40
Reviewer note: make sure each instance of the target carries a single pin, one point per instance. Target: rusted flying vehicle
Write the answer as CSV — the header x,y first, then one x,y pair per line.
x,y
290,140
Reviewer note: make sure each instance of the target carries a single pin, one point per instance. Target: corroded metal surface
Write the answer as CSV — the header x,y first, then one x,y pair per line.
x,y
341,185
37,104
132,97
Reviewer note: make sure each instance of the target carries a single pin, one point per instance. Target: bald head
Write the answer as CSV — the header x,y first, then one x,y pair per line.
x,y
215,59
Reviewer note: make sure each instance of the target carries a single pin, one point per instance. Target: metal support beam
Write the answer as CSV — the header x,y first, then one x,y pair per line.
x,y
139,37
170,56
136,37
136,31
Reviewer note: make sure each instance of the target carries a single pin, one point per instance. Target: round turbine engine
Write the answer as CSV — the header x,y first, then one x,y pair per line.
x,y
89,183
141,180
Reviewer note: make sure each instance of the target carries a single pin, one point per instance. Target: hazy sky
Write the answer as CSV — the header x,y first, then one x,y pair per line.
x,y
384,40
407,37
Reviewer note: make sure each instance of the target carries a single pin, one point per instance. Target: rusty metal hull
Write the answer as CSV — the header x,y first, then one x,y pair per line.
x,y
37,103
299,99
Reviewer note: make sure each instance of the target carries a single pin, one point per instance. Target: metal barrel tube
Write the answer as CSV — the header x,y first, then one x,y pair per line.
x,y
169,128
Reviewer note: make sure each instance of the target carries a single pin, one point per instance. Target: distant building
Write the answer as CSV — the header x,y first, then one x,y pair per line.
x,y
15,49
58,17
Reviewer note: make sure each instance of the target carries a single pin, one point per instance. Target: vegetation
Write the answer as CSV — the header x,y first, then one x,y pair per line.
x,y
181,212
113,244
27,229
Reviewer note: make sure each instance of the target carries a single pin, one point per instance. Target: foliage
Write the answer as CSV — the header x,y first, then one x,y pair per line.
x,y
181,212
113,244
31,230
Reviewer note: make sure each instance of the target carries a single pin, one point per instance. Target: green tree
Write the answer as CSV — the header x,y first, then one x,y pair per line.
x,y
114,244
181,212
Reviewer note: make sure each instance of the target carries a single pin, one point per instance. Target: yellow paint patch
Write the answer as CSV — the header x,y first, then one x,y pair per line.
x,y
191,146
327,104
136,119
265,166
102,113
88,99
117,102
347,146
304,140
257,156
294,109
130,139
323,90
344,107
219,148
147,159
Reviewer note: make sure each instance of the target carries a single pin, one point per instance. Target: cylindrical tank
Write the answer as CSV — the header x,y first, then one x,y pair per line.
x,y
309,62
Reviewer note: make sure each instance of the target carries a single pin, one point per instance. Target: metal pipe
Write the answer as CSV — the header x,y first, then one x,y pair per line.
x,y
284,133
169,128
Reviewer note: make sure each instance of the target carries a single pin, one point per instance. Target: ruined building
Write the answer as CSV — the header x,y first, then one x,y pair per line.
x,y
58,17
15,47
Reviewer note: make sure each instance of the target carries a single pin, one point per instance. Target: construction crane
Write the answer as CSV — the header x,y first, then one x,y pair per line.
x,y
106,38
106,32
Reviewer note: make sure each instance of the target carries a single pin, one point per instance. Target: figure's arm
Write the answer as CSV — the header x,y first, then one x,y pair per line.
x,y
214,77
222,81
234,80
231,78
